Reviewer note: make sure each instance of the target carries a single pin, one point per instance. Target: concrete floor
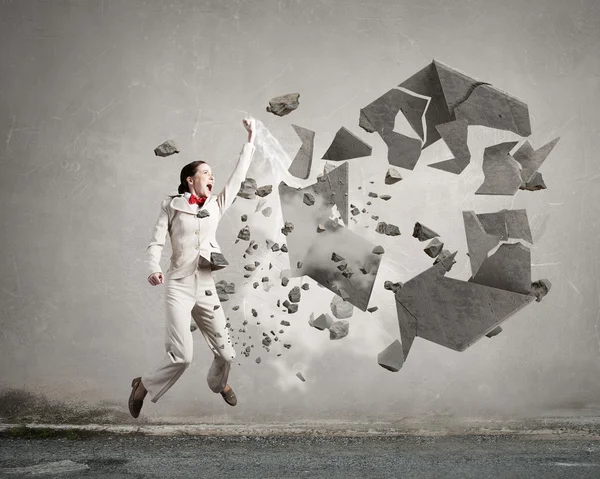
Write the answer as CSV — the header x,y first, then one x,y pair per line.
x,y
472,456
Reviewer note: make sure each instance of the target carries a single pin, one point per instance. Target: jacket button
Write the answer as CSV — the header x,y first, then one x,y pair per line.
x,y
197,232
198,247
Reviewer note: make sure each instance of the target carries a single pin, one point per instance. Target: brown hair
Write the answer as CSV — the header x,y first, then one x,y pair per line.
x,y
188,170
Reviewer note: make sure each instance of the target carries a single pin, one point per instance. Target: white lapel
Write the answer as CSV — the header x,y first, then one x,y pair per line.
x,y
179,202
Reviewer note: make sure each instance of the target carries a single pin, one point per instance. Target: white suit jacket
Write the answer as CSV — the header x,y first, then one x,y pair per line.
x,y
192,236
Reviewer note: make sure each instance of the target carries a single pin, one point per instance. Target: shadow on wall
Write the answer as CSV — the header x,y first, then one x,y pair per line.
x,y
19,406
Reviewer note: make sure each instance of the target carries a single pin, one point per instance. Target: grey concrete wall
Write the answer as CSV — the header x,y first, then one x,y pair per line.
x,y
89,88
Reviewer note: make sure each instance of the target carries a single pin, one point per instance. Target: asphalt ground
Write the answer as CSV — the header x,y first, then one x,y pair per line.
x,y
48,453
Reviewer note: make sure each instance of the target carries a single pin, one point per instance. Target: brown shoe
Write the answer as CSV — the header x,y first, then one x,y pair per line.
x,y
229,396
135,405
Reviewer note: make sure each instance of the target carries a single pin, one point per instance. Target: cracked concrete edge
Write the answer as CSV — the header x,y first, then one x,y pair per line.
x,y
551,428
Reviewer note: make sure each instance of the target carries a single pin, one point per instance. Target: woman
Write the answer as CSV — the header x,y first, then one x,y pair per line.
x,y
191,218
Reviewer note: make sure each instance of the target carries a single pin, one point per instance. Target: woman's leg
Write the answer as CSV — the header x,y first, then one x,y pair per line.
x,y
212,324
180,299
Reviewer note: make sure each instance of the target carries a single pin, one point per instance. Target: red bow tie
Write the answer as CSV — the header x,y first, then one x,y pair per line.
x,y
195,200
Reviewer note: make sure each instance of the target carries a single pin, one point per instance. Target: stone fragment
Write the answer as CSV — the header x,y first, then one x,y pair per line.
x,y
294,294
423,233
336,257
287,346
454,135
284,248
305,286
284,281
479,242
292,308
275,247
309,199
284,104
469,310
301,165
267,211
341,309
540,288
167,148
193,327
217,259
320,228
264,190
494,332
502,172
372,309
536,183
322,322
288,227
257,360
248,189
531,160
284,322
202,213
378,250
339,329
433,248
299,376
387,229
392,357
346,146
385,197
267,341
509,113
392,176
244,233
392,286
506,224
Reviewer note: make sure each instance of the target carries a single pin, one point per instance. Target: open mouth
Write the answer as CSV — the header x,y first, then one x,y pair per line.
x,y
210,187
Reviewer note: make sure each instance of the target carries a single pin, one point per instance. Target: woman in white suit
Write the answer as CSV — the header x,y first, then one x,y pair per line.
x,y
191,218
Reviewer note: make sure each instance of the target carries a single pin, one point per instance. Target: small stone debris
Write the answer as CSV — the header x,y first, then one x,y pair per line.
x,y
340,308
284,281
392,357
284,248
167,148
244,234
305,286
392,176
275,247
372,309
292,308
447,258
355,211
267,211
244,217
373,194
378,250
339,329
202,213
540,288
336,257
248,189
255,284
387,229
208,292
300,377
494,332
284,104
385,197
320,228
287,345
287,228
193,327
322,322
392,286
308,199
299,264
284,322
257,360
294,294
423,233
264,190
434,248
254,312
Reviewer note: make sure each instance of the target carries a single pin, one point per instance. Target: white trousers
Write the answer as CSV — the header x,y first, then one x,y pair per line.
x,y
187,296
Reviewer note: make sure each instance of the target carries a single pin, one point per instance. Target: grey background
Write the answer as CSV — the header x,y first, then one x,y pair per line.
x,y
88,89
